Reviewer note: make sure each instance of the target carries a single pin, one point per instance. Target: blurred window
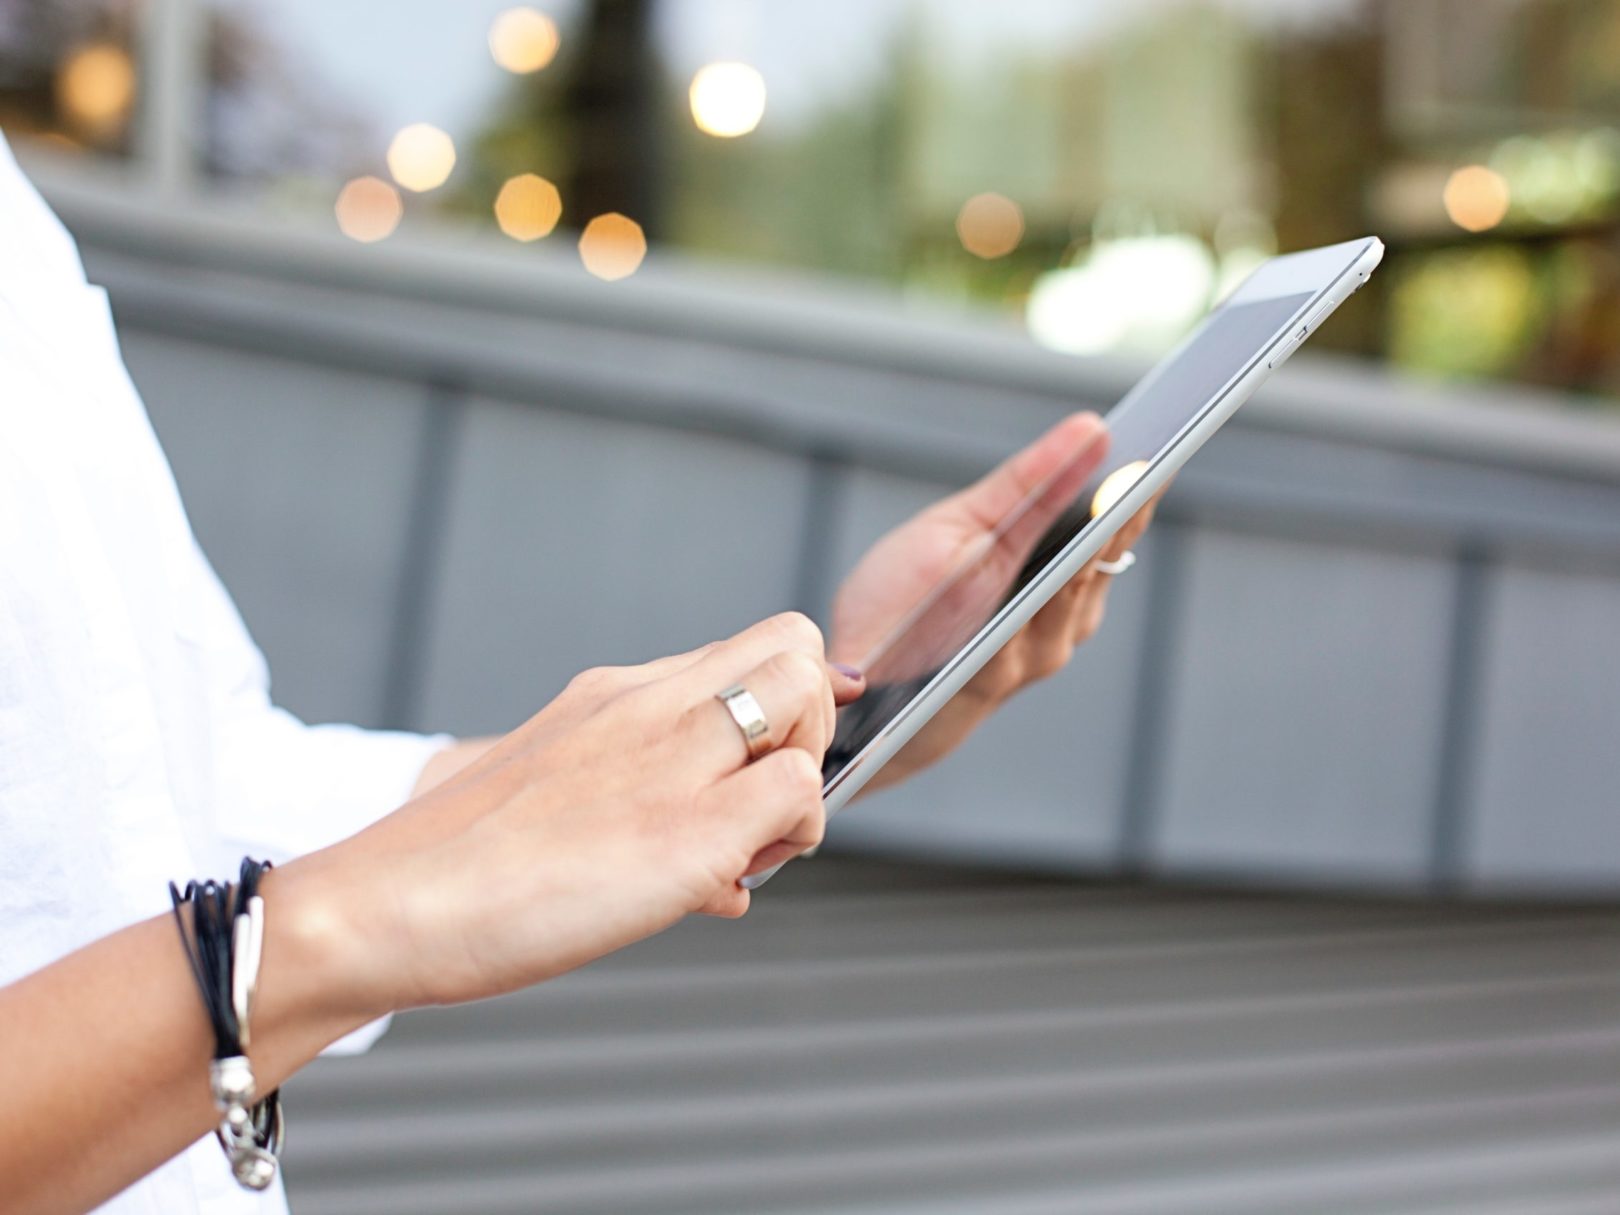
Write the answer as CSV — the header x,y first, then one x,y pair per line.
x,y
1101,170
68,73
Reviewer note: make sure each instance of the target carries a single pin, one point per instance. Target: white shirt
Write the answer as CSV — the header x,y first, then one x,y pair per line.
x,y
138,742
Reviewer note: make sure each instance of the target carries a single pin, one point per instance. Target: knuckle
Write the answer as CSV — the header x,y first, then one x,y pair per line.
x,y
803,675
800,630
591,682
816,828
1005,673
800,774
1052,660
1091,622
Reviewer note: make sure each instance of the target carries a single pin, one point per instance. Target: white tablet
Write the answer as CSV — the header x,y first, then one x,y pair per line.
x,y
1065,521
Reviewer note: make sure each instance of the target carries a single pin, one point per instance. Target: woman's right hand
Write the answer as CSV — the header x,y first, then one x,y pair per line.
x,y
626,804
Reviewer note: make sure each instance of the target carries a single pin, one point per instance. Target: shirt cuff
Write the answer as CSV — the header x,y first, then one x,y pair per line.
x,y
305,787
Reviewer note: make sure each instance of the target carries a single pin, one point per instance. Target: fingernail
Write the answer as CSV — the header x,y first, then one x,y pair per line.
x,y
848,672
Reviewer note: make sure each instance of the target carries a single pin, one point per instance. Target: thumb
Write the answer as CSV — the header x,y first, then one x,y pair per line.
x,y
1067,452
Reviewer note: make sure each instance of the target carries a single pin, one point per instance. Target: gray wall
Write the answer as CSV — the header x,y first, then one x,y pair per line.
x,y
1372,641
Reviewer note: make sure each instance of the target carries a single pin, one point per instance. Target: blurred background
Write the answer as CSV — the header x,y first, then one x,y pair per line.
x,y
468,327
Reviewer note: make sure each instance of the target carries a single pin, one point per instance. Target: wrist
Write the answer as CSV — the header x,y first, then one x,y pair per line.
x,y
314,986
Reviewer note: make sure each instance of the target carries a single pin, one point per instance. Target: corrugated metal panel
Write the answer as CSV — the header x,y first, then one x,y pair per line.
x,y
874,1039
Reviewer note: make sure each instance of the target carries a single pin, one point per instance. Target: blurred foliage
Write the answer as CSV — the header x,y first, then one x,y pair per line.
x,y
1475,311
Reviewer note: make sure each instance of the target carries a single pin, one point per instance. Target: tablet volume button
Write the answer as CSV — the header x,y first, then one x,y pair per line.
x,y
1288,347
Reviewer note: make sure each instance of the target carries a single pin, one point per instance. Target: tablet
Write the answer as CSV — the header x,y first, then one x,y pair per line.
x,y
1064,521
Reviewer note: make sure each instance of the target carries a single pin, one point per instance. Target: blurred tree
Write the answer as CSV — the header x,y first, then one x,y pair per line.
x,y
1324,108
592,123
612,101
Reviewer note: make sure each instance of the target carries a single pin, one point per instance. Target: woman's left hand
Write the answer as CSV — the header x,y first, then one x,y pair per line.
x,y
903,566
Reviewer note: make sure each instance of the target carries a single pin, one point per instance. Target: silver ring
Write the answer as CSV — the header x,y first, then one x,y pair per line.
x,y
750,719
1126,560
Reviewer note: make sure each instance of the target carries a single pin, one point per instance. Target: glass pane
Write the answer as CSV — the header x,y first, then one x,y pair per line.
x,y
1101,171
68,73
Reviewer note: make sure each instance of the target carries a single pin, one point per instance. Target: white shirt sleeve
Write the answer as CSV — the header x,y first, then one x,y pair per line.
x,y
282,788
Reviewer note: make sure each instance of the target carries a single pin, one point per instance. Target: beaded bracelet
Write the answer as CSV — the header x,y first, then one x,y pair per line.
x,y
224,946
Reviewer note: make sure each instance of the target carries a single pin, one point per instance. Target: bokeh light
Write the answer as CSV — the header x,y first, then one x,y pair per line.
x,y
1477,198
1543,176
990,225
368,209
1139,293
421,157
528,207
523,40
95,88
1597,162
728,99
612,246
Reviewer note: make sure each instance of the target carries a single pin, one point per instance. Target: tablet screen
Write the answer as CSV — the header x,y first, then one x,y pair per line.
x,y
1073,498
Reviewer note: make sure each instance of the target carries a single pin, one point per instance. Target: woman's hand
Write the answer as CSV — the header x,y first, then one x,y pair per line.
x,y
625,804
906,564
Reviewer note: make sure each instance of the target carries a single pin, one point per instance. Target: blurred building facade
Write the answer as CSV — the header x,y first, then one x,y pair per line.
x,y
1370,646
1171,142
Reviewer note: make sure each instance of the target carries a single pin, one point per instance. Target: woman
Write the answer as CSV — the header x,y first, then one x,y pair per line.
x,y
138,745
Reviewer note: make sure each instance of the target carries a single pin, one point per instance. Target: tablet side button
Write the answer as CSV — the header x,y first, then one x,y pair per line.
x,y
1288,347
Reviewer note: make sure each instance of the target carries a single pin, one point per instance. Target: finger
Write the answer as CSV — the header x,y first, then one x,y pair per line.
x,y
727,663
1089,613
1031,523
1127,536
723,663
766,813
796,700
1122,541
1049,636
1015,506
730,903
1028,524
848,682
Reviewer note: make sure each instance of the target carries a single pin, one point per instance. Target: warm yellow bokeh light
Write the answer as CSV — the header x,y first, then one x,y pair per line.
x,y
1116,485
421,157
1477,198
990,225
368,209
523,40
95,88
528,207
612,246
728,99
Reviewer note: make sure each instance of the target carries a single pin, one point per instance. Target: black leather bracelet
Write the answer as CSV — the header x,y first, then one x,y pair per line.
x,y
223,946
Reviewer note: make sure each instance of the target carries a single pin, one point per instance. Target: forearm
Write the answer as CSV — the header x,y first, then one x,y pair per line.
x,y
105,1053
